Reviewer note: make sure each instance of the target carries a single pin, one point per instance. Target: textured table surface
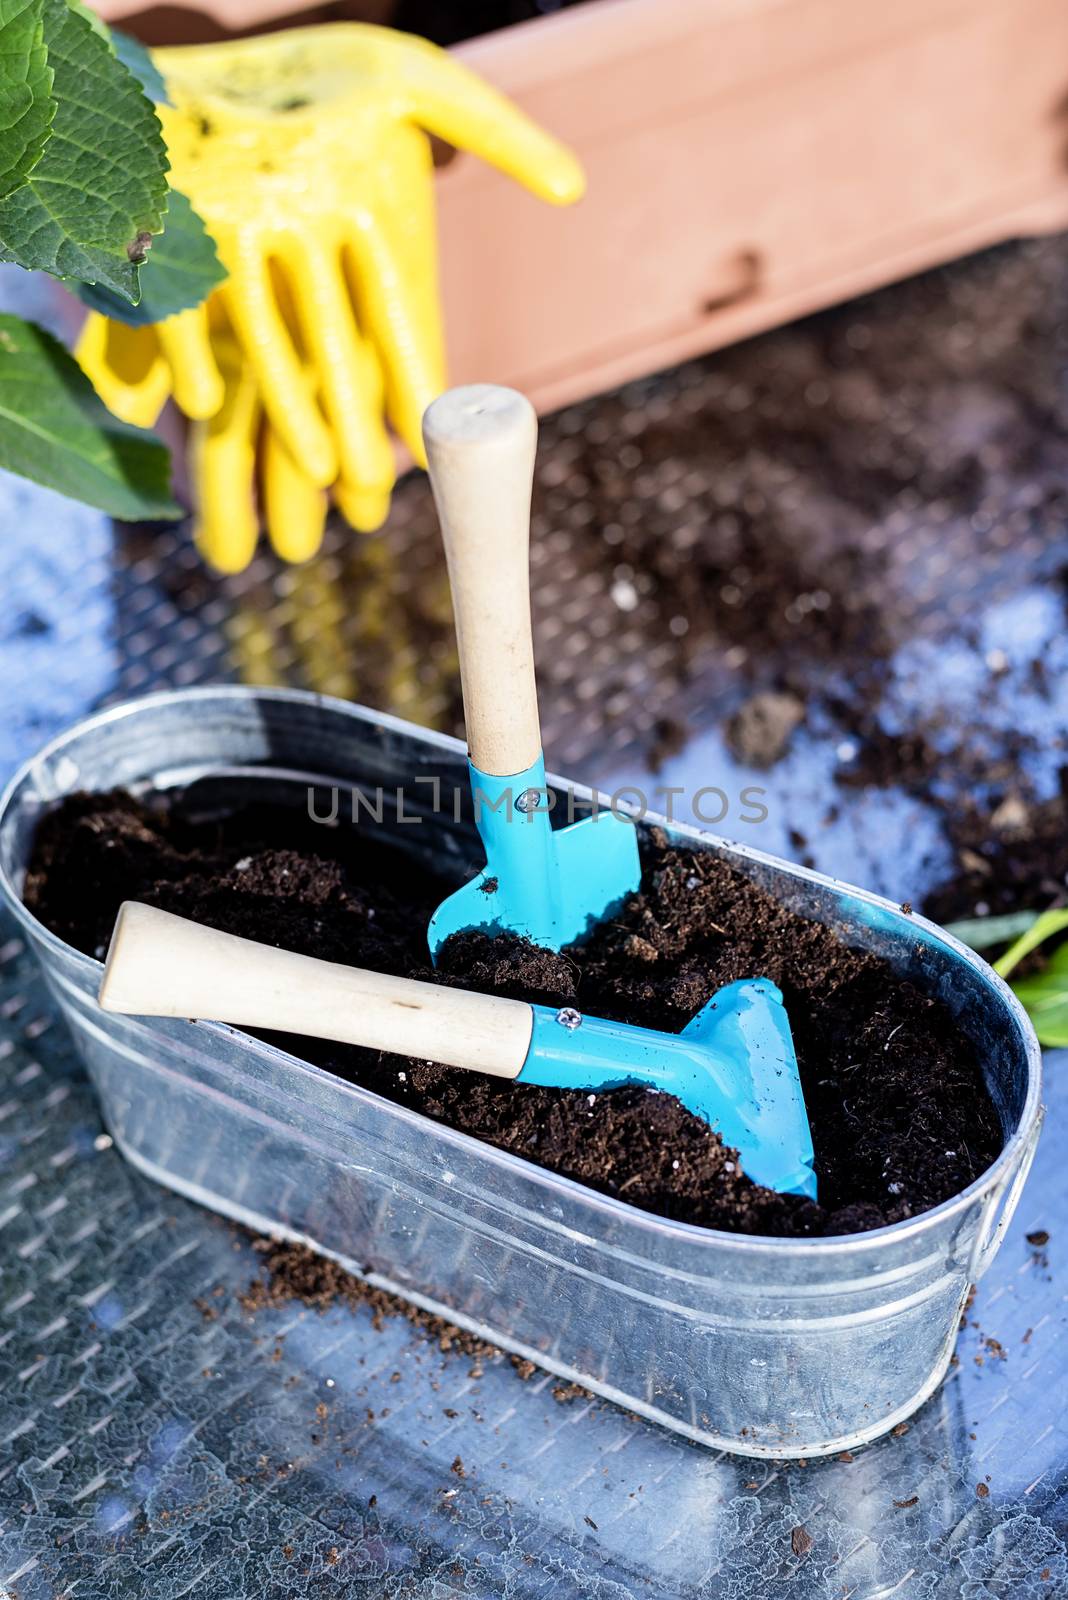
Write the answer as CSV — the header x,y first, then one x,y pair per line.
x,y
153,1446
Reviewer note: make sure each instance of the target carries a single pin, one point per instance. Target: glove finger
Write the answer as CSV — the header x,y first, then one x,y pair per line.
x,y
451,101
406,328
125,367
222,454
294,507
252,308
195,377
363,509
348,373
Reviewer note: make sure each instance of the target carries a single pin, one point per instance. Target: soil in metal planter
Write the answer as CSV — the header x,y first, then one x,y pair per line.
x,y
900,1116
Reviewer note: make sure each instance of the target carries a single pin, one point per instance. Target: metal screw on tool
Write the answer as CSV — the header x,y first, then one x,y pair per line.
x,y
569,1018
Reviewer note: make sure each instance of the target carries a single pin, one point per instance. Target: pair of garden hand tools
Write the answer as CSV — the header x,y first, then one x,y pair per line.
x,y
308,156
734,1064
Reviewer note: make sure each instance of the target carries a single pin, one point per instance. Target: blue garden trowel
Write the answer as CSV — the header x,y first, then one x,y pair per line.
x,y
551,886
733,1064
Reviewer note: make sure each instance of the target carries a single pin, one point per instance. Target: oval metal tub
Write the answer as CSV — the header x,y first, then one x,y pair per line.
x,y
763,1346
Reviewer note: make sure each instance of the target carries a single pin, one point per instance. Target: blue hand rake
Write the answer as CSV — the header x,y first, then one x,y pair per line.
x,y
733,1064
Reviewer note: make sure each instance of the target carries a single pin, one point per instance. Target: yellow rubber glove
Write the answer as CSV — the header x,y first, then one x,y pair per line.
x,y
233,449
307,155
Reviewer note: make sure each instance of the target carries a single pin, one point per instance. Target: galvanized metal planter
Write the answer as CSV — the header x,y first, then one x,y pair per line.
x,y
766,1347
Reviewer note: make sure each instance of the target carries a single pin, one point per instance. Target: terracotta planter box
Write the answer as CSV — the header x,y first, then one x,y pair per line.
x,y
748,161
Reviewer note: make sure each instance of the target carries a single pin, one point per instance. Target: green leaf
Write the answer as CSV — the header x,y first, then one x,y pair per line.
x,y
182,271
91,204
27,105
182,268
54,430
983,933
93,18
1045,999
133,54
1049,923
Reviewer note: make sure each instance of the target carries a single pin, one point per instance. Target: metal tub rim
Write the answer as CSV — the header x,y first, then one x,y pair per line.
x,y
1012,1161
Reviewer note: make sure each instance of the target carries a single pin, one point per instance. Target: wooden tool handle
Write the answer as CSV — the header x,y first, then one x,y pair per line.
x,y
160,965
480,445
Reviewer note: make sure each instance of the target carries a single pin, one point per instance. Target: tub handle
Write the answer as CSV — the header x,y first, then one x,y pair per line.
x,y
1002,1205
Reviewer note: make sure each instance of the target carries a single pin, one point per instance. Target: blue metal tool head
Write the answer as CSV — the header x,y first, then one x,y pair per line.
x,y
734,1065
763,1114
551,886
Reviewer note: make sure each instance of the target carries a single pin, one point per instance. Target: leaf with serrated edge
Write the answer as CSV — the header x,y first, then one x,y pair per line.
x,y
180,272
55,430
99,190
133,54
27,106
95,21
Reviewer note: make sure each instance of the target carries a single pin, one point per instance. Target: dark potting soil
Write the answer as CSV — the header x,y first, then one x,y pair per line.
x,y
296,1272
900,1116
1011,858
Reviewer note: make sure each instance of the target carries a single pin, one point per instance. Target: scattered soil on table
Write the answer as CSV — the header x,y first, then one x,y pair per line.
x,y
900,1116
801,1541
784,515
785,503
295,1272
670,736
760,730
1011,858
